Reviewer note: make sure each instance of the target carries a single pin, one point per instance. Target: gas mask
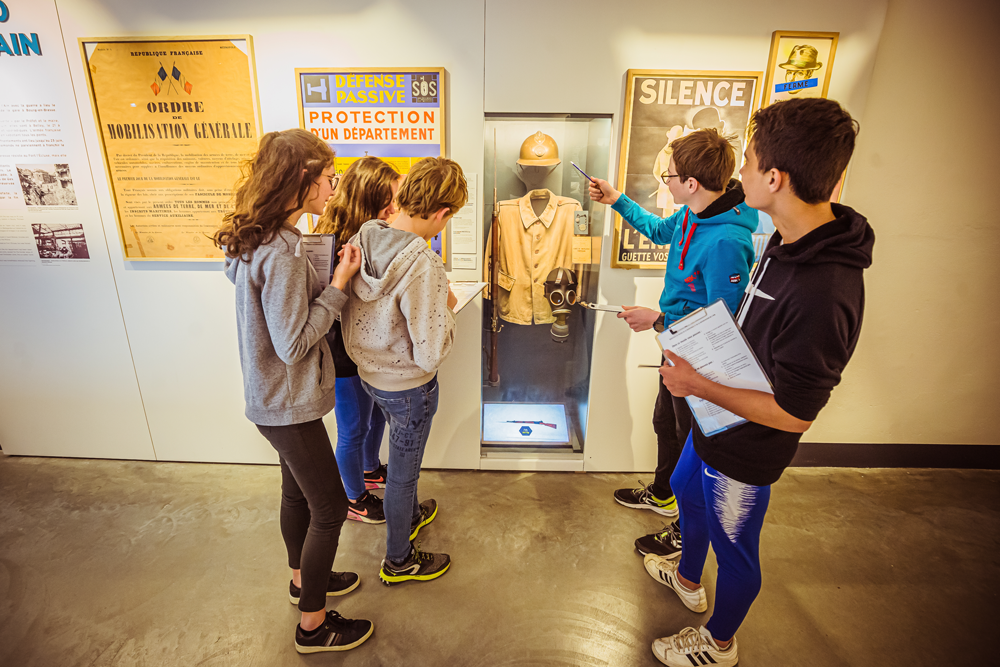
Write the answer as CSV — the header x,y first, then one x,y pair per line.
x,y
560,290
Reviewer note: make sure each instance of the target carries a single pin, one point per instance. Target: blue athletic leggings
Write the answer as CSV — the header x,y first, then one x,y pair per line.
x,y
360,425
731,521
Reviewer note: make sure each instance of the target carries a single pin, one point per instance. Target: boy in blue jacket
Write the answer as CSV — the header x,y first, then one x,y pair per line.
x,y
711,253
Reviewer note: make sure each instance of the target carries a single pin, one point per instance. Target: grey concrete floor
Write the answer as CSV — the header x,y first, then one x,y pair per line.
x,y
110,563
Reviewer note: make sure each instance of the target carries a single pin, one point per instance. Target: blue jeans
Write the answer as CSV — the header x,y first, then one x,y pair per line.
x,y
409,414
728,514
360,425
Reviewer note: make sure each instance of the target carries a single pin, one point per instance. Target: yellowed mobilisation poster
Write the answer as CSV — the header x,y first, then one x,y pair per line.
x,y
176,118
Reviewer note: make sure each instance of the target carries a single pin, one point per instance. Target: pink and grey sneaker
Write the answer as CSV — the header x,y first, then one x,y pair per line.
x,y
367,509
376,478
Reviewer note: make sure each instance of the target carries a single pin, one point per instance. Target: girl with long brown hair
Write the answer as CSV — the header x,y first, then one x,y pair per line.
x,y
365,192
282,315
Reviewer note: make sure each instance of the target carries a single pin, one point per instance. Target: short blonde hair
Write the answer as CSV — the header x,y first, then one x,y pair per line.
x,y
433,183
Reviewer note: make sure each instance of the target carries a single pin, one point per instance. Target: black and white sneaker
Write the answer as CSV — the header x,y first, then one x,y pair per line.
x,y
341,583
643,499
664,571
336,634
367,509
428,510
666,543
694,647
418,566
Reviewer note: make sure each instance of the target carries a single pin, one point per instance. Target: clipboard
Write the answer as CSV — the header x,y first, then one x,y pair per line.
x,y
465,292
710,340
320,250
608,308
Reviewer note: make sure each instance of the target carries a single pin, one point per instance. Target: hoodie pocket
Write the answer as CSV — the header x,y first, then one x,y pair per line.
x,y
327,371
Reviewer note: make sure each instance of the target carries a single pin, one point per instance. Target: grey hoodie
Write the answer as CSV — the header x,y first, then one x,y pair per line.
x,y
282,316
397,325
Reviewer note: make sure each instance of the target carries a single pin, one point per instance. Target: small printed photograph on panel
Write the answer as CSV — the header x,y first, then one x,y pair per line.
x,y
46,184
60,241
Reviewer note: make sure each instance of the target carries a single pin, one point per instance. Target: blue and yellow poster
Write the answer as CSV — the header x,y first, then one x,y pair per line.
x,y
395,114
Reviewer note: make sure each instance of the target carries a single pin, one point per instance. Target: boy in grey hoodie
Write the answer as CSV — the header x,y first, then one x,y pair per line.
x,y
398,327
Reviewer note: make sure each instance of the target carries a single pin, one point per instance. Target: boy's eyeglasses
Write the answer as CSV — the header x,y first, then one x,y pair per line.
x,y
334,180
665,177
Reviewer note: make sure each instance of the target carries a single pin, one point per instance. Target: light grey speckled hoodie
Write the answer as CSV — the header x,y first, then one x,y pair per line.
x,y
397,325
282,316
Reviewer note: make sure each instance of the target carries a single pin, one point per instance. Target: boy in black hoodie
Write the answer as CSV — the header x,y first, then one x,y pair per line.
x,y
802,316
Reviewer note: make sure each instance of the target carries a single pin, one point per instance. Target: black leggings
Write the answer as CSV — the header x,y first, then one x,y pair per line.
x,y
313,504
671,423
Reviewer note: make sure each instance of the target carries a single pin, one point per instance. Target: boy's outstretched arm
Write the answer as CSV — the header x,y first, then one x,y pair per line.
x,y
653,227
756,406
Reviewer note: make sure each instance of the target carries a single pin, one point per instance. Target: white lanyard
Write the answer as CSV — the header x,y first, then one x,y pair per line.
x,y
751,292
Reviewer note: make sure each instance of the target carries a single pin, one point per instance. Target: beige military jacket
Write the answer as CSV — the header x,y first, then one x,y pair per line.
x,y
530,247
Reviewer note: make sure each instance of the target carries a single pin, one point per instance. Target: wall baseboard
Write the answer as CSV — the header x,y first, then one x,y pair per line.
x,y
840,455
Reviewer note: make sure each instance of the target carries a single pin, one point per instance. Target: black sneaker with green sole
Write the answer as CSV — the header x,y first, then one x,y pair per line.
x,y
428,510
418,566
642,498
666,543
336,634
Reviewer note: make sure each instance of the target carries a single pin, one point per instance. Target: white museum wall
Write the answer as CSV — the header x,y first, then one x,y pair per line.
x,y
927,368
67,384
180,316
138,360
585,56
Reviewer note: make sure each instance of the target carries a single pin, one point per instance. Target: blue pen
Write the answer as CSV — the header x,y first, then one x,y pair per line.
x,y
583,172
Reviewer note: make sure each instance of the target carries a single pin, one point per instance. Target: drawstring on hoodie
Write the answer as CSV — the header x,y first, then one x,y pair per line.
x,y
686,242
298,246
751,292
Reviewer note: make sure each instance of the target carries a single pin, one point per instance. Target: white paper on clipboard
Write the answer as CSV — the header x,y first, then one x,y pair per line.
x,y
319,249
465,292
713,344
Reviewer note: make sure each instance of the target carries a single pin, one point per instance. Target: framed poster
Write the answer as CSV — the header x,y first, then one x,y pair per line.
x,y
660,106
799,65
394,113
176,116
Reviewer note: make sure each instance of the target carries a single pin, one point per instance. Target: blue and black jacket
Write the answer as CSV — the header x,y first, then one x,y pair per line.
x,y
711,252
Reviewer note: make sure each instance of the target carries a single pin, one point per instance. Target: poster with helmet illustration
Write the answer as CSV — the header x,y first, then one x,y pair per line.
x,y
661,106
799,65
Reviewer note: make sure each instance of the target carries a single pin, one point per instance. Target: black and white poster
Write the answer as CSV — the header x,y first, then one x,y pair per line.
x,y
661,106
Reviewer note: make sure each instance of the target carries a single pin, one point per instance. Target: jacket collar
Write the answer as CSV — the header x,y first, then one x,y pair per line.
x,y
528,216
730,199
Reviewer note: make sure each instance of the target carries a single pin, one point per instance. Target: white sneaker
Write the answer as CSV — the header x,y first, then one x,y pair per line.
x,y
694,647
664,571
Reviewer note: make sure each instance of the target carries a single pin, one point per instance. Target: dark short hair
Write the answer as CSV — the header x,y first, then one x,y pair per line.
x,y
810,139
707,157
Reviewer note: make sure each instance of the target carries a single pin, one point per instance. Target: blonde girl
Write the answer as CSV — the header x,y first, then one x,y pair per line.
x,y
365,192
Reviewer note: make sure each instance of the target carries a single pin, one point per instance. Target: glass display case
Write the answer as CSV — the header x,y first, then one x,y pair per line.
x,y
543,255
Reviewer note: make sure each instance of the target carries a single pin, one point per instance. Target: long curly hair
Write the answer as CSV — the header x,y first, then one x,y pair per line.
x,y
363,191
274,184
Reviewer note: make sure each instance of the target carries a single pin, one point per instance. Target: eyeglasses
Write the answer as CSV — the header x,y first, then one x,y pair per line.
x,y
665,177
334,180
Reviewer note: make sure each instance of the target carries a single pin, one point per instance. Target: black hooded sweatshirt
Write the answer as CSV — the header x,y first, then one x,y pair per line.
x,y
803,325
